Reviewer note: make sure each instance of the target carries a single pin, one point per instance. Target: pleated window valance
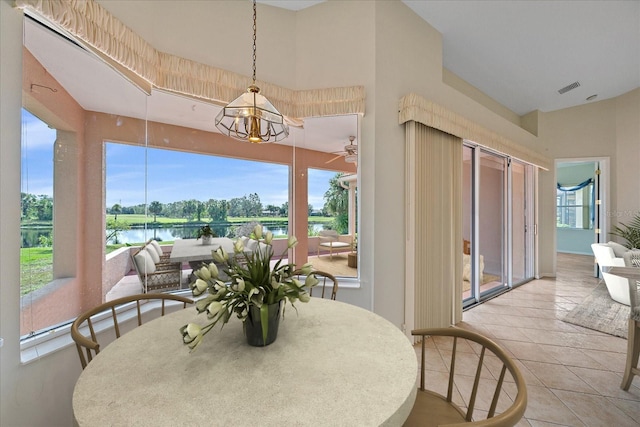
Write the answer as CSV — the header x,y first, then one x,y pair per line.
x,y
415,108
124,49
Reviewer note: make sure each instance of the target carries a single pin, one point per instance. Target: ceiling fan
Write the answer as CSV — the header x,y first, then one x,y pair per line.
x,y
350,152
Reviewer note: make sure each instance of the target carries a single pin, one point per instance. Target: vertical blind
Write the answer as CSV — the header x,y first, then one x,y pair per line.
x,y
434,221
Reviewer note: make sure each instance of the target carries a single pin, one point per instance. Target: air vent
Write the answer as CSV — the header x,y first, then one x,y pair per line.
x,y
569,87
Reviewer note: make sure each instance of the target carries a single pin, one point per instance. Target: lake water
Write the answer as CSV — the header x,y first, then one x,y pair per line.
x,y
162,234
31,237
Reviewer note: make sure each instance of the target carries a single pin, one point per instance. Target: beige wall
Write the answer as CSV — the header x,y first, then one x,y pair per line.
x,y
450,78
335,45
217,33
627,157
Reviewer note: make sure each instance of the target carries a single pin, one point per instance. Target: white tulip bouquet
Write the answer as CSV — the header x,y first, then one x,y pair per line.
x,y
251,282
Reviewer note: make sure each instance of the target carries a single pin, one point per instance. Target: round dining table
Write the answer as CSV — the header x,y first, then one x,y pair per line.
x,y
332,364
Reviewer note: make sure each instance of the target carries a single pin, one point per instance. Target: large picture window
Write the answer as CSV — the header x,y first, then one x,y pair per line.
x,y
36,212
124,164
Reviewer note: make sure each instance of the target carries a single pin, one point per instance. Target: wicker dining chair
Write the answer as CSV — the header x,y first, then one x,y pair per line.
x,y
434,409
325,281
631,367
111,313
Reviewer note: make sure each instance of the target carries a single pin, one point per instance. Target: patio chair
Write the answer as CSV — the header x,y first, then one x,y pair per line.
x,y
114,313
152,243
331,239
156,277
434,409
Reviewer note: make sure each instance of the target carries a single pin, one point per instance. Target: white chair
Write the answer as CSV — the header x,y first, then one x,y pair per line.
x,y
617,286
331,239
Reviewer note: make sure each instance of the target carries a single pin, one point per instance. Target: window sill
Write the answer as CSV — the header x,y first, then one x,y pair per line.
x,y
36,347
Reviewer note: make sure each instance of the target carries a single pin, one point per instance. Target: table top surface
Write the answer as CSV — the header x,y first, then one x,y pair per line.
x,y
627,272
332,364
193,249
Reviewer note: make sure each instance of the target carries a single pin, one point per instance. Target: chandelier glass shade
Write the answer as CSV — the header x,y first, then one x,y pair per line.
x,y
251,117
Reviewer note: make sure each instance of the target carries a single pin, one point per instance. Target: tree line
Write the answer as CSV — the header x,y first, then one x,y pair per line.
x,y
215,210
36,207
40,207
336,205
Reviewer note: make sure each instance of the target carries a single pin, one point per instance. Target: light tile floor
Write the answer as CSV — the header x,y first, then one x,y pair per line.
x,y
573,374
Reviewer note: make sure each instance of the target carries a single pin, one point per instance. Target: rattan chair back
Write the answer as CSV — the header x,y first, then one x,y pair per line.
x,y
433,409
631,367
327,284
112,312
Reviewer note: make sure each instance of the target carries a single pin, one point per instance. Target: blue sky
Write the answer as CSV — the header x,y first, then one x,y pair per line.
x,y
176,175
37,156
171,175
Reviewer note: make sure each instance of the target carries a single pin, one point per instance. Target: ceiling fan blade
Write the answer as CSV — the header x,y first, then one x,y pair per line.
x,y
334,159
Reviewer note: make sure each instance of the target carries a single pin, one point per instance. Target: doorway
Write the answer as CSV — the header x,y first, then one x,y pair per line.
x,y
582,201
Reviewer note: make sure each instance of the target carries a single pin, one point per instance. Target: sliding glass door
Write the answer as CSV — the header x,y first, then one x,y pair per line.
x,y
521,176
492,230
497,225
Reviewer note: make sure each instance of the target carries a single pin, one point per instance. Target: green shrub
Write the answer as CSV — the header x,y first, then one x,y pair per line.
x,y
630,232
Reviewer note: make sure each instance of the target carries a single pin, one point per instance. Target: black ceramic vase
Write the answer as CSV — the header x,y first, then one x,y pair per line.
x,y
256,334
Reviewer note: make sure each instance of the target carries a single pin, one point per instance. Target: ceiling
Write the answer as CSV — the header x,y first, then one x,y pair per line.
x,y
519,53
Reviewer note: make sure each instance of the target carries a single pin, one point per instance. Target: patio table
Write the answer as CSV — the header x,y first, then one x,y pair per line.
x,y
332,364
192,250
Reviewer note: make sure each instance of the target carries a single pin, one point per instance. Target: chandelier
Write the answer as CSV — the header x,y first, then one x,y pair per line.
x,y
251,117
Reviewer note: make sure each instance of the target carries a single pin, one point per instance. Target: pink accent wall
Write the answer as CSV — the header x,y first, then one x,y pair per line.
x,y
62,299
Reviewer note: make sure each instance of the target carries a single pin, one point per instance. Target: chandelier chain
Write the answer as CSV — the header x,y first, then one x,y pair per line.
x,y
254,41
251,117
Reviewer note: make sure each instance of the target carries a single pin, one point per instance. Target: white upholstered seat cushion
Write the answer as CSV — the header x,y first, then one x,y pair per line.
x,y
153,254
336,244
156,246
466,267
144,262
618,249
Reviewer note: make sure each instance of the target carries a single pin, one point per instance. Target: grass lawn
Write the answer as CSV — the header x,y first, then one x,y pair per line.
x,y
36,268
141,219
